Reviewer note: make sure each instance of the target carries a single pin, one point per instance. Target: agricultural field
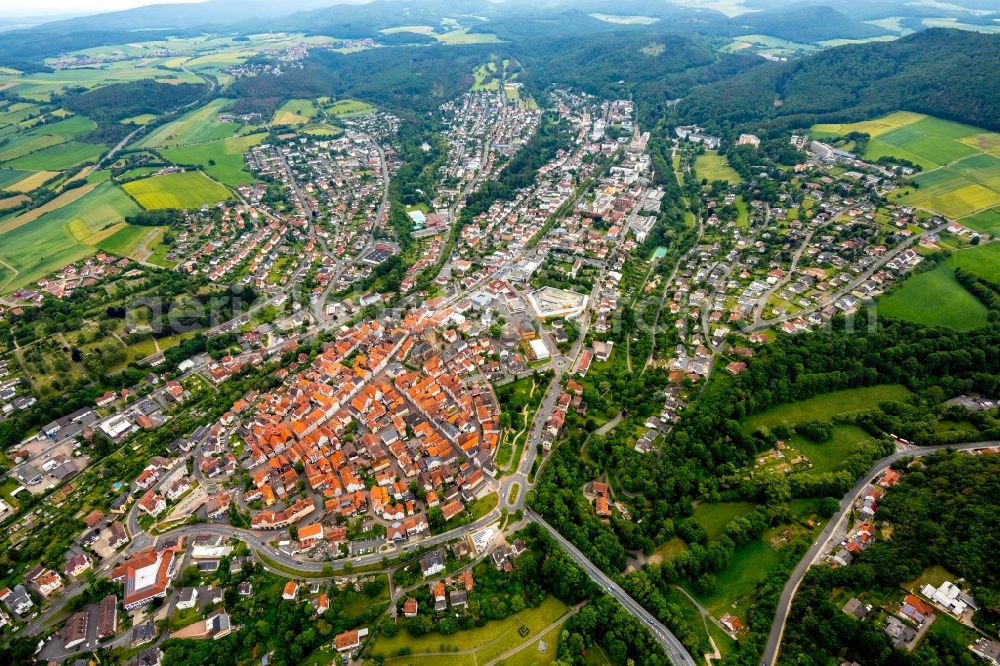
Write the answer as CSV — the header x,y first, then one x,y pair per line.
x,y
222,159
125,239
961,163
935,297
188,189
196,126
824,407
42,86
295,112
33,180
59,157
61,236
714,167
44,136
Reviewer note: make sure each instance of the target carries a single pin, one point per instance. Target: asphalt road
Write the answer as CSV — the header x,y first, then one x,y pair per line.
x,y
675,651
771,650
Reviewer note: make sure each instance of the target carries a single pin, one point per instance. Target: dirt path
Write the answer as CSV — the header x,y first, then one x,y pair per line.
x,y
141,252
60,201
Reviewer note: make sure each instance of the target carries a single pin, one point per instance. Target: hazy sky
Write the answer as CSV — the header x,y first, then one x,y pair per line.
x,y
74,7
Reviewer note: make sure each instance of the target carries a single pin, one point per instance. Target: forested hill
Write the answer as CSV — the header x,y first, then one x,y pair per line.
x,y
803,23
946,73
649,67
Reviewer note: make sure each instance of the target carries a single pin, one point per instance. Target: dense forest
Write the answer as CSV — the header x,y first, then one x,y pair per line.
x,y
122,100
943,513
945,73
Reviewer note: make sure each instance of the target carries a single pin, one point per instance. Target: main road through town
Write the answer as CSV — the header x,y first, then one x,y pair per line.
x,y
675,651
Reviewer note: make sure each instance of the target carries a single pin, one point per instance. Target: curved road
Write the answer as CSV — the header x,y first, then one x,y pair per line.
x,y
771,650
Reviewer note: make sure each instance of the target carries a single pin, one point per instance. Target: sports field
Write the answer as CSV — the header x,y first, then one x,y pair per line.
x,y
934,298
227,155
195,126
714,167
189,189
295,112
960,163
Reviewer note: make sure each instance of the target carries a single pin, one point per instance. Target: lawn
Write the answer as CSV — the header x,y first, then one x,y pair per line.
x,y
190,189
715,516
295,112
196,126
935,298
714,167
824,407
488,641
227,155
531,655
750,566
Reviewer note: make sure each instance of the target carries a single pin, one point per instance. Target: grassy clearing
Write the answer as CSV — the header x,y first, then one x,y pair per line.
x,y
824,407
189,189
463,36
494,637
532,655
124,240
734,587
714,517
141,119
295,112
828,456
348,107
222,159
486,77
714,167
935,298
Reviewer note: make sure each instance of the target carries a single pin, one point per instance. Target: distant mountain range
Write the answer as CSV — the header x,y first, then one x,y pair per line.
x,y
510,20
